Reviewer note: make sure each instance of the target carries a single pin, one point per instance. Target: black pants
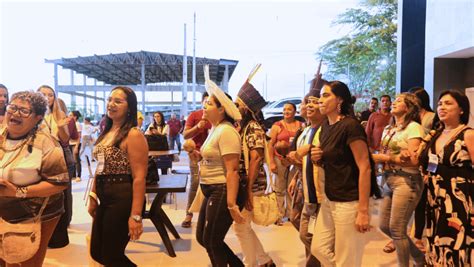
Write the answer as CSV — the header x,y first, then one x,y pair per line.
x,y
420,214
60,237
77,160
110,226
213,224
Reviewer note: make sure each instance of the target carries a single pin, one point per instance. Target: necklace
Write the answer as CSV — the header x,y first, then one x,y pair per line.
x,y
447,131
4,150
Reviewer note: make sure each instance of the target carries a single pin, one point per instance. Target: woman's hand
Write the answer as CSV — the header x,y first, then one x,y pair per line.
x,y
293,159
236,215
64,122
380,158
273,167
135,229
291,187
195,155
405,156
249,202
92,207
362,222
316,154
7,189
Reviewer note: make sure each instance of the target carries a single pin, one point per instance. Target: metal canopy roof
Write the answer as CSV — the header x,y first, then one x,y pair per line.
x,y
125,68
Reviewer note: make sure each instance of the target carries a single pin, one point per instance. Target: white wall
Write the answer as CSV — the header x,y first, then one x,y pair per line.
x,y
470,95
449,29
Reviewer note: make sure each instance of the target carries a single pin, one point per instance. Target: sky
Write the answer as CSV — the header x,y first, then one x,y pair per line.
x,y
282,35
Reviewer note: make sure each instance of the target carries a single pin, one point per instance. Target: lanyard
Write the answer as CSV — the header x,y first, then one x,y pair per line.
x,y
385,147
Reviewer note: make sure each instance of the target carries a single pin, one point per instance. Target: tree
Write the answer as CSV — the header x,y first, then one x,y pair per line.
x,y
366,57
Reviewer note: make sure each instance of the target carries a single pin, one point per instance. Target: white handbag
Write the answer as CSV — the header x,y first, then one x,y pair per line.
x,y
265,207
19,242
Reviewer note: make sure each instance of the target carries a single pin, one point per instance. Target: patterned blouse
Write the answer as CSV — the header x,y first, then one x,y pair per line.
x,y
24,167
254,137
115,160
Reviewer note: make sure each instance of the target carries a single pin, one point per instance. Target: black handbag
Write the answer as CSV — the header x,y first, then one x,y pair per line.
x,y
157,142
152,177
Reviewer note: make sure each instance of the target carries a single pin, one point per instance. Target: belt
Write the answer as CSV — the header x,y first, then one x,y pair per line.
x,y
114,179
399,171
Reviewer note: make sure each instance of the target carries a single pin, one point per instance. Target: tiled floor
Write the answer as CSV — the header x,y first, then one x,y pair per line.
x,y
281,242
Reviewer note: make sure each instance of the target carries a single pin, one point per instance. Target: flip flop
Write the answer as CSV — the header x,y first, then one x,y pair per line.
x,y
389,248
420,245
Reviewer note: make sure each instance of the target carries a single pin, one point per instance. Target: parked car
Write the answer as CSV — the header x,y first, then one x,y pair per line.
x,y
274,110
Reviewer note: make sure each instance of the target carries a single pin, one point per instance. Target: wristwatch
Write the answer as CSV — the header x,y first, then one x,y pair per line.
x,y
136,218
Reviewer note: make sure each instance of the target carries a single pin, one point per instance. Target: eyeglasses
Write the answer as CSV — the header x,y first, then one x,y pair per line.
x,y
24,112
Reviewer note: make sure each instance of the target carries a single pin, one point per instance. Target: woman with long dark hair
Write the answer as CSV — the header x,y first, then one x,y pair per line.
x,y
282,134
427,120
122,159
344,155
447,161
219,171
158,126
57,124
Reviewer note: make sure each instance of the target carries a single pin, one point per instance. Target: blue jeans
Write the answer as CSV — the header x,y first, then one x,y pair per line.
x,y
175,139
402,192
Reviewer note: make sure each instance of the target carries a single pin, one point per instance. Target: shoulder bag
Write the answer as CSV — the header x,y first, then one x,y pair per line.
x,y
265,207
19,242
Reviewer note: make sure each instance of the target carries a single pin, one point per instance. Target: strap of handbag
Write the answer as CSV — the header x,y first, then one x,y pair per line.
x,y
271,184
38,217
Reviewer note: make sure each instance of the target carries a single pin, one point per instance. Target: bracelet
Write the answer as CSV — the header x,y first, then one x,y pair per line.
x,y
21,192
94,196
233,207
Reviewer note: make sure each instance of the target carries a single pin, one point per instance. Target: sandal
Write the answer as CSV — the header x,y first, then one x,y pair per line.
x,y
390,247
420,245
187,221
279,222
268,264
186,224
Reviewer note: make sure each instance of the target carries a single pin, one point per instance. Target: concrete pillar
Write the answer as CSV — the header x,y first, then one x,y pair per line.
x,y
96,116
73,96
143,87
411,44
225,80
85,93
55,76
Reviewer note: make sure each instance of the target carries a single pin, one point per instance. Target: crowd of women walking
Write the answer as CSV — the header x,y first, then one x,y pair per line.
x,y
423,160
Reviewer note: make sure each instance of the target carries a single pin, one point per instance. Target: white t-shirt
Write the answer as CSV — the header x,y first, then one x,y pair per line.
x,y
222,140
87,129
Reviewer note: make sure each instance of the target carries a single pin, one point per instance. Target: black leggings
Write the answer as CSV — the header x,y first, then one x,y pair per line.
x,y
420,215
213,224
77,160
110,226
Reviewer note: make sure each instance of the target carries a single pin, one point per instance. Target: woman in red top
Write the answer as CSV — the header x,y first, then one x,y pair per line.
x,y
282,134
